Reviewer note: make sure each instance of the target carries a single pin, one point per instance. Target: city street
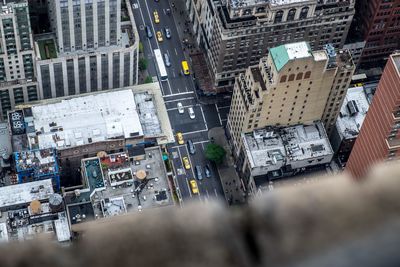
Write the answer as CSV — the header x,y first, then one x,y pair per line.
x,y
180,88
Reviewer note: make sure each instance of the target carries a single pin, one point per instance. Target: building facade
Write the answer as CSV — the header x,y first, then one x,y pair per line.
x,y
379,138
85,25
293,85
378,22
236,33
89,50
17,72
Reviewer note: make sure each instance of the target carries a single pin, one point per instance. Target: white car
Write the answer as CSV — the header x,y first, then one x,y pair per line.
x,y
180,108
191,113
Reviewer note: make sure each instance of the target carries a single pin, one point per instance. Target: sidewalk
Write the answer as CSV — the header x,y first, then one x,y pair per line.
x,y
229,178
197,58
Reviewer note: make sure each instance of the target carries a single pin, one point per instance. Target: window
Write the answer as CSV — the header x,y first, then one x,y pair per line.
x,y
283,79
291,15
291,77
304,12
278,16
307,75
299,76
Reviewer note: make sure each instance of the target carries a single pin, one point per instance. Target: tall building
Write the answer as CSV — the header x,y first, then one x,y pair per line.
x,y
17,73
236,33
88,50
293,85
85,25
378,23
379,137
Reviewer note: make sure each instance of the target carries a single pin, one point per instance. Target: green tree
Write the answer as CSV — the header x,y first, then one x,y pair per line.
x,y
148,79
141,48
215,153
142,64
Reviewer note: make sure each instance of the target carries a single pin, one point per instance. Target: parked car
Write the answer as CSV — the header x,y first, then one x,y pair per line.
x,y
191,113
198,173
167,61
181,110
207,171
191,147
167,33
149,32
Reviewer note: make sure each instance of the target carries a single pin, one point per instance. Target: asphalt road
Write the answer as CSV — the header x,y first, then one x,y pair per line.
x,y
180,88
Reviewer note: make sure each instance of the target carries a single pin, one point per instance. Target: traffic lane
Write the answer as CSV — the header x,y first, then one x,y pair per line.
x,y
211,116
210,187
183,123
189,173
141,20
180,176
172,46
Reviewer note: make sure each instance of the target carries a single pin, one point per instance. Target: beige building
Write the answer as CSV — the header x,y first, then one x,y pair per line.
x,y
293,85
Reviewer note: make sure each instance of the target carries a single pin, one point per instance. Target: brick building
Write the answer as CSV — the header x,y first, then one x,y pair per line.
x,y
379,138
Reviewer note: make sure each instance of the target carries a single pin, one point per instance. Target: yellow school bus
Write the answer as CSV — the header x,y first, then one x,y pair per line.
x,y
185,67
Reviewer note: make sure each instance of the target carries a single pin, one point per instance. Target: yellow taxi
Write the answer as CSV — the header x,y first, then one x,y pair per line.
x,y
179,138
156,17
186,163
159,36
193,186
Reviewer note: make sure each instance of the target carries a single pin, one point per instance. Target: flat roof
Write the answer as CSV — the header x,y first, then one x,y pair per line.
x,y
25,193
85,119
282,54
122,191
347,124
274,147
249,3
72,121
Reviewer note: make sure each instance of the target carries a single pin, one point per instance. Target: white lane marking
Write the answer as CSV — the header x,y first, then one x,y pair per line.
x,y
215,190
185,93
181,99
219,115
222,107
188,106
199,131
187,90
176,52
204,118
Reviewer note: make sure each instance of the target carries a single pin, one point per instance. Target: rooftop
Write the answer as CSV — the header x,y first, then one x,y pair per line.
x,y
39,162
249,3
25,193
396,60
282,54
20,225
352,112
74,121
117,184
272,147
47,48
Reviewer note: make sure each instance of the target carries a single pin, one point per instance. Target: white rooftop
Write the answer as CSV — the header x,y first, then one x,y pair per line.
x,y
272,148
25,193
298,50
62,227
349,126
248,3
81,120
